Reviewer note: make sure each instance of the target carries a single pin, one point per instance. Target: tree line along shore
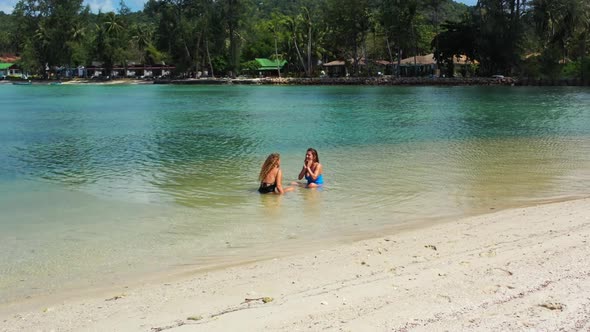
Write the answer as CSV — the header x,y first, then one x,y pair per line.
x,y
544,40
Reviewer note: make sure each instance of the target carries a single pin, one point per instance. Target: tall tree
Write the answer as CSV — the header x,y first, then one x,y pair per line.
x,y
236,14
456,40
111,44
349,23
500,32
8,32
48,28
400,20
564,30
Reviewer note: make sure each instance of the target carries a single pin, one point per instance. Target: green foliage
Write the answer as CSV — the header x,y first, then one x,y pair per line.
x,y
250,66
223,36
154,56
585,68
406,29
457,39
579,69
349,24
111,41
28,61
499,35
571,70
532,67
549,60
7,34
220,63
261,41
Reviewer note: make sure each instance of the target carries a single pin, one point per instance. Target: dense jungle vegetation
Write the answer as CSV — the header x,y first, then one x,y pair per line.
x,y
527,38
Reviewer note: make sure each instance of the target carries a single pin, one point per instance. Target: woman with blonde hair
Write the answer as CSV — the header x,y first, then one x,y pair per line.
x,y
271,175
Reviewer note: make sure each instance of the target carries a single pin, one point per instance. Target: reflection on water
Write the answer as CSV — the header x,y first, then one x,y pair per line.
x,y
201,146
97,178
312,202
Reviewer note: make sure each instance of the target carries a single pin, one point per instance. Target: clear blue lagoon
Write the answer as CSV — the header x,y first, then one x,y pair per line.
x,y
104,186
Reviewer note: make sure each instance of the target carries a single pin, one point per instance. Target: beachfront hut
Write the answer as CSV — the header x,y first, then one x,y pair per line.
x,y
8,65
425,65
268,67
132,70
340,68
4,67
147,71
94,70
80,71
419,65
382,67
9,69
158,70
336,68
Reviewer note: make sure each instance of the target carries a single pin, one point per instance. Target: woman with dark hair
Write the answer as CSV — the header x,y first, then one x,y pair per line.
x,y
312,169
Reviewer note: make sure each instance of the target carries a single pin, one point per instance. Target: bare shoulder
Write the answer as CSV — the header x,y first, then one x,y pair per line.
x,y
276,172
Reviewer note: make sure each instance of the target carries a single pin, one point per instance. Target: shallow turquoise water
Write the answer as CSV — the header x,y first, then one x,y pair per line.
x,y
94,179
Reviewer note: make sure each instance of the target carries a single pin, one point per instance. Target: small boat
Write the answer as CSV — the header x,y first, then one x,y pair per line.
x,y
55,83
22,83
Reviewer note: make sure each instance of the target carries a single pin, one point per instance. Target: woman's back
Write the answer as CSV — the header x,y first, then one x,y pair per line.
x,y
271,177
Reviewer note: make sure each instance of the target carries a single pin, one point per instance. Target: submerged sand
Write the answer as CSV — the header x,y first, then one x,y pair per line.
x,y
518,269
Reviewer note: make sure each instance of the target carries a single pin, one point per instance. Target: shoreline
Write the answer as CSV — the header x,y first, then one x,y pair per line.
x,y
380,81
520,260
354,81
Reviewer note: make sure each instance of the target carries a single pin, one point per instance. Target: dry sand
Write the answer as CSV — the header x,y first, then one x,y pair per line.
x,y
522,269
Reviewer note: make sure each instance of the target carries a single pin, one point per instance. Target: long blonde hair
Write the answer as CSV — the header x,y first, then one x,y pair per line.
x,y
269,164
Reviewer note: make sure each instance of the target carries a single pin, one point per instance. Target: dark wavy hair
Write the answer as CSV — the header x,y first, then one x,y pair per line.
x,y
314,152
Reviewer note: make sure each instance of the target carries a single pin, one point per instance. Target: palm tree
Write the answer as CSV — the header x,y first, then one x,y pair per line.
x,y
110,41
142,39
112,25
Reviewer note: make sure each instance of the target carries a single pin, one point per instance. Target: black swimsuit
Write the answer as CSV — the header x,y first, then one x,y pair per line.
x,y
266,188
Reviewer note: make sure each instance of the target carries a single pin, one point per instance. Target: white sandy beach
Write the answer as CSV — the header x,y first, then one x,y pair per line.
x,y
521,269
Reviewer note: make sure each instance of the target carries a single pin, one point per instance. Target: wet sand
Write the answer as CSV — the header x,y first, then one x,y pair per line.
x,y
518,269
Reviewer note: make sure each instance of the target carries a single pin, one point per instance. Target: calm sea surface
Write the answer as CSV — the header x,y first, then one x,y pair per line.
x,y
105,185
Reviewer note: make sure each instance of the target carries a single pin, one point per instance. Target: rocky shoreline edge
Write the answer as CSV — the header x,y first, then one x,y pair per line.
x,y
382,81
360,81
